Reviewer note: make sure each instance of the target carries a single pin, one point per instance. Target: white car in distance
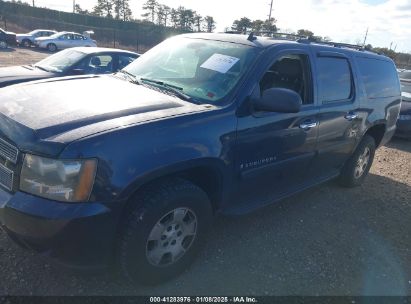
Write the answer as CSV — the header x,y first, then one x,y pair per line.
x,y
65,40
28,39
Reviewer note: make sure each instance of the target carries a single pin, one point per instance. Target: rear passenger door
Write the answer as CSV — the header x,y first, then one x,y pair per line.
x,y
339,118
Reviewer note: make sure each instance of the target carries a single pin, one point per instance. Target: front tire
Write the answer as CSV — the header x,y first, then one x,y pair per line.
x,y
164,231
3,45
357,167
51,47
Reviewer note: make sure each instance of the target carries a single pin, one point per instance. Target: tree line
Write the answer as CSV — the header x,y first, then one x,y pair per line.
x,y
179,18
268,27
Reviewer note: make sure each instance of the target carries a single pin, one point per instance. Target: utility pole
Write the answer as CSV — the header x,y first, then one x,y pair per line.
x,y
271,10
33,3
74,6
365,38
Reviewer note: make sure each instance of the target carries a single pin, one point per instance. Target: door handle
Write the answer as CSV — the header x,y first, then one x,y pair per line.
x,y
351,116
308,125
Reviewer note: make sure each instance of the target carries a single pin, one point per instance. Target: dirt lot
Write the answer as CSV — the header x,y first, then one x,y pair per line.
x,y
20,56
325,241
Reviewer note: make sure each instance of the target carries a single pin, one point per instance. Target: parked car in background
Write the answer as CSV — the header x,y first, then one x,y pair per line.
x,y
6,39
74,61
129,169
27,40
404,120
64,40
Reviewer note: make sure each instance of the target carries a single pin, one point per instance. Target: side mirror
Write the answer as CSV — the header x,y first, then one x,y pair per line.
x,y
78,72
279,100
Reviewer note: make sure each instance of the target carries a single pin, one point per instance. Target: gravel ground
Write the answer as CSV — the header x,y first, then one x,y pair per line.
x,y
20,56
325,241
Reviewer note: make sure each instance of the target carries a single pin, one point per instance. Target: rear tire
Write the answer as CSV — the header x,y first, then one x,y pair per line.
x,y
357,167
51,47
164,231
3,45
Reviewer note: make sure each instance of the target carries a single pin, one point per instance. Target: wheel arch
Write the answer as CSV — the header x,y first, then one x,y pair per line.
x,y
208,174
377,131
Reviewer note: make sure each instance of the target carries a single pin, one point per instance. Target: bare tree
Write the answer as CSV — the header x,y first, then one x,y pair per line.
x,y
150,7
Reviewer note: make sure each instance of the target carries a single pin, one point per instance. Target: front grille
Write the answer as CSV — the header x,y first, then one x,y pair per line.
x,y
6,177
8,151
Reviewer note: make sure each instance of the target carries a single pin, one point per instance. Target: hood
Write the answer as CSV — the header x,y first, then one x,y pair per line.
x,y
37,115
18,74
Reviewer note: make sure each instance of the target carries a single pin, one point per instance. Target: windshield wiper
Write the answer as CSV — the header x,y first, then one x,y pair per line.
x,y
177,91
131,77
41,68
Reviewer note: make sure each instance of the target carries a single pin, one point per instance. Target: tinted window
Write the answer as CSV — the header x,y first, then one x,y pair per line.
x,y
124,60
335,80
379,77
98,64
290,72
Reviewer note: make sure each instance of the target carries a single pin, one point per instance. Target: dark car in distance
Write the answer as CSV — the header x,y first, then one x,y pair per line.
x,y
404,120
7,39
74,61
129,169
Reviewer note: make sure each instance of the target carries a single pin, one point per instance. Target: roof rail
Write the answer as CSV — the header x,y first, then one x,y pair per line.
x,y
270,34
335,44
282,36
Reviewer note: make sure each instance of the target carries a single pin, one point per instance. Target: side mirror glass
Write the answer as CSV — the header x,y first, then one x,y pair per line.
x,y
279,100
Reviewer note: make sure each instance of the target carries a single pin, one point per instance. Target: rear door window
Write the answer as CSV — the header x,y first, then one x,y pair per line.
x,y
380,77
335,79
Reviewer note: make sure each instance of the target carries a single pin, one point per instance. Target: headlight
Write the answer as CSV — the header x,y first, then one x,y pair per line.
x,y
404,117
61,180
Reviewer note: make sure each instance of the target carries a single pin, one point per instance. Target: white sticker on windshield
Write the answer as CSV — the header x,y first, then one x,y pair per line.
x,y
220,63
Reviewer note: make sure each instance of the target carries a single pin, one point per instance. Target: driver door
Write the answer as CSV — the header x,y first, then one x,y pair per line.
x,y
275,150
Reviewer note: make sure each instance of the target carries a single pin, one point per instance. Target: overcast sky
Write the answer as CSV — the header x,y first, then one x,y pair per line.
x,y
389,21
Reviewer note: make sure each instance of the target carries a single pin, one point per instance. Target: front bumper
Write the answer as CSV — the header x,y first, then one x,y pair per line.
x,y
403,128
78,235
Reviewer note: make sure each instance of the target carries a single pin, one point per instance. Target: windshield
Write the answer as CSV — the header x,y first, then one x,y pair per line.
x,y
202,69
61,61
33,32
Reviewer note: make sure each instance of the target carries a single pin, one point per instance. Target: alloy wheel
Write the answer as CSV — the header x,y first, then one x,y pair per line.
x,y
362,163
171,237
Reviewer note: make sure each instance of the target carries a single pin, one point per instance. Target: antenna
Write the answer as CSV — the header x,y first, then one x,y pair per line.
x,y
365,38
271,10
251,37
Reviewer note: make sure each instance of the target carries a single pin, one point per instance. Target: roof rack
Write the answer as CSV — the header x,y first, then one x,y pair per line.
x,y
301,39
334,44
282,36
276,35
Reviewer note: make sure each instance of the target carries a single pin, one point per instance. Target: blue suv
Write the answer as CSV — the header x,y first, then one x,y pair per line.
x,y
130,168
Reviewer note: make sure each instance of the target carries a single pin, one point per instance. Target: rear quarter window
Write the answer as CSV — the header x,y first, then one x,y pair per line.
x,y
380,78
